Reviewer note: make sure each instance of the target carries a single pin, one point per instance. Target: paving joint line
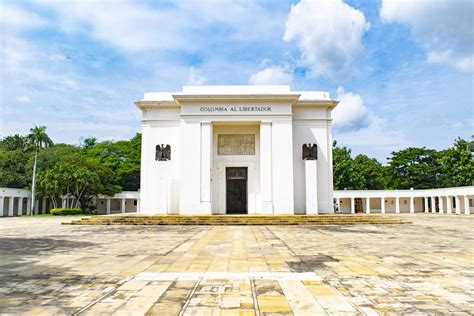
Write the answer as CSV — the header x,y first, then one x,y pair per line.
x,y
254,297
100,298
190,296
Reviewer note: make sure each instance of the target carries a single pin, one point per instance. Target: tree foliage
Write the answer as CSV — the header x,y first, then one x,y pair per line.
x,y
14,142
372,172
122,157
79,178
418,168
345,175
414,168
456,165
14,168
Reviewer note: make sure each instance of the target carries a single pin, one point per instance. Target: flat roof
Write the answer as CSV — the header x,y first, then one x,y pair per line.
x,y
243,90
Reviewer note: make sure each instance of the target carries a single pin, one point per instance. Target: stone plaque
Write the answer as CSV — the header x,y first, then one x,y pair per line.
x,y
236,144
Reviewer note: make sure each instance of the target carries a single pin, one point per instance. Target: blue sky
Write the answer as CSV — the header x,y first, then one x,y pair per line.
x,y
403,70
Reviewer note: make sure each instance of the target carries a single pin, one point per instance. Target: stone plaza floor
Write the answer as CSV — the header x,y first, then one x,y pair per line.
x,y
426,267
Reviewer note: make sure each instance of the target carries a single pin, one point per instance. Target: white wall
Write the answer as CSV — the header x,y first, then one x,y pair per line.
x,y
282,166
160,180
220,162
390,197
311,125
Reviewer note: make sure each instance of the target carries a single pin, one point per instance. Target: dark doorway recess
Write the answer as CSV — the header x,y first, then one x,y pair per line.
x,y
236,190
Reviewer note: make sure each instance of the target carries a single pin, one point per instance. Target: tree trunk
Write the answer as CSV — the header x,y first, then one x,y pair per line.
x,y
33,184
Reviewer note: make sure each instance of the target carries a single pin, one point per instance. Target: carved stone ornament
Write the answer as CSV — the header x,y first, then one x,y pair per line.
x,y
163,153
310,152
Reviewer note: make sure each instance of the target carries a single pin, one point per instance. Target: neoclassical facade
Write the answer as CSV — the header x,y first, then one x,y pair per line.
x,y
236,150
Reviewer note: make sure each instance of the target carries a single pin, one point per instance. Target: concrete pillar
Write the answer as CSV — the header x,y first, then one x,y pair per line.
x,y
441,204
449,205
206,166
1,205
190,165
37,202
311,186
352,205
466,205
63,202
397,205
266,166
108,205
338,203
433,204
412,204
458,205
28,206
20,206
43,206
382,205
367,205
282,169
11,201
122,206
427,209
138,205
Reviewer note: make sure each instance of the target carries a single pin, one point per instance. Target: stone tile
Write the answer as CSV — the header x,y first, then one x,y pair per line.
x,y
422,268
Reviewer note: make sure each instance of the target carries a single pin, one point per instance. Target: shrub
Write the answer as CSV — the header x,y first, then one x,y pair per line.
x,y
65,211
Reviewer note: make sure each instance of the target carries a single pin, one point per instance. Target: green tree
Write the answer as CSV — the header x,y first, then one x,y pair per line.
x,y
416,168
345,175
122,157
14,142
456,165
372,172
77,177
13,168
39,139
89,142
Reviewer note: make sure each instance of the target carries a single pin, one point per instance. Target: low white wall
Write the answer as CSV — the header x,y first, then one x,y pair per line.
x,y
14,202
448,200
445,200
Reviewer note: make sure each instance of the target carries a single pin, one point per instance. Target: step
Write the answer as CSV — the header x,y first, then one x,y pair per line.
x,y
219,220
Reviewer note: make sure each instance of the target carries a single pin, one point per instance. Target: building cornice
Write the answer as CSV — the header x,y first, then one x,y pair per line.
x,y
320,103
200,98
156,104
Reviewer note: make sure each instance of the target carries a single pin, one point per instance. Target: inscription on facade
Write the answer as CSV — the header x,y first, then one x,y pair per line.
x,y
236,144
235,109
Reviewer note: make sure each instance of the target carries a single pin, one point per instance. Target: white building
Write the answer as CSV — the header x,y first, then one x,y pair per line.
x,y
236,149
239,149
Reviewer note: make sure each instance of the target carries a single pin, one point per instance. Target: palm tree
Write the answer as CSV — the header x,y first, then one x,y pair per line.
x,y
39,139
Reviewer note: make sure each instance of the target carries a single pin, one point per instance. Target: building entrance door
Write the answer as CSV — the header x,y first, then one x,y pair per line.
x,y
236,190
359,206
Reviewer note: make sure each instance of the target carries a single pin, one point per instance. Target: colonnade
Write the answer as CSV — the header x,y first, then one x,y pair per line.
x,y
442,201
123,206
17,202
17,205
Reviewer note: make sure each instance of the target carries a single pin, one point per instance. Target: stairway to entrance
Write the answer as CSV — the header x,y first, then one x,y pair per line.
x,y
236,220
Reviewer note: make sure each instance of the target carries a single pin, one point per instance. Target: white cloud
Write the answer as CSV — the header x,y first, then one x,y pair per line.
x,y
133,26
23,98
378,137
243,20
444,28
351,112
329,35
272,75
16,18
359,128
195,77
125,24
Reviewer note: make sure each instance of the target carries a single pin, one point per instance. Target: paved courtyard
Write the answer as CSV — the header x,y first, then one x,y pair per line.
x,y
422,268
